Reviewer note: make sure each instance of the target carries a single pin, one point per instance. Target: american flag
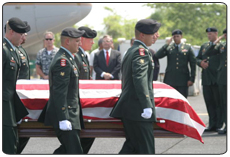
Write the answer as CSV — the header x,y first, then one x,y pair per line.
x,y
99,96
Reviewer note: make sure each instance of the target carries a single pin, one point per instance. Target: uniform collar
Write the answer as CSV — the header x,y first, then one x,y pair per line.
x,y
82,50
141,43
179,45
12,46
67,51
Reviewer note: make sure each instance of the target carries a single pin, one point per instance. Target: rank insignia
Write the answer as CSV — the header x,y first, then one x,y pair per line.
x,y
63,62
62,73
142,61
203,51
142,51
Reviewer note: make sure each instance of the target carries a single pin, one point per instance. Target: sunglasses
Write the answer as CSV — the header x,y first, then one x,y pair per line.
x,y
48,39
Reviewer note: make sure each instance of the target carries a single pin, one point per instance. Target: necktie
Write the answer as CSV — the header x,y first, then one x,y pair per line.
x,y
107,58
176,47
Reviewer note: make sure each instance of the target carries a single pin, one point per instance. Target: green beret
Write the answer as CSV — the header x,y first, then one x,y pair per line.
x,y
147,26
211,29
72,32
18,25
89,33
177,31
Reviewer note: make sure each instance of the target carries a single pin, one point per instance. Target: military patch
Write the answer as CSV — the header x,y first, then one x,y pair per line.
x,y
63,62
184,50
62,73
142,51
142,61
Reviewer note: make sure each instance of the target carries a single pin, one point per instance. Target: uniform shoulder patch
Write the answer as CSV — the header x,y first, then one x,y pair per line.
x,y
63,62
141,51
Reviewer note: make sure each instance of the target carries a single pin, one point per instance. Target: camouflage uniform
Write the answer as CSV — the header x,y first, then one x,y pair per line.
x,y
44,59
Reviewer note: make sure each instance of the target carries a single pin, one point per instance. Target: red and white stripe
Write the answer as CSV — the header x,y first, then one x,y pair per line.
x,y
98,98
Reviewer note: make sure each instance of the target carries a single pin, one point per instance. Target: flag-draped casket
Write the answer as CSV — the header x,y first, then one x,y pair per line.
x,y
99,96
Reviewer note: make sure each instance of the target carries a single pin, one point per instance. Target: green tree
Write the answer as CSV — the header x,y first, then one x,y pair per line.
x,y
118,27
191,18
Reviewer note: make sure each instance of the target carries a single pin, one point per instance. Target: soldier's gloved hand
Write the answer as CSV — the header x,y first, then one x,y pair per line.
x,y
65,125
147,113
19,122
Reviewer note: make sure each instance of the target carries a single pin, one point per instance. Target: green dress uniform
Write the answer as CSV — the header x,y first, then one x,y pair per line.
x,y
84,68
25,63
177,72
221,50
24,73
83,65
137,94
210,87
13,109
64,102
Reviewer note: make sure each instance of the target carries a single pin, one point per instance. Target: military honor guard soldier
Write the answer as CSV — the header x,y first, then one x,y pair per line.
x,y
220,48
136,107
64,112
13,109
209,65
179,54
24,73
84,69
81,57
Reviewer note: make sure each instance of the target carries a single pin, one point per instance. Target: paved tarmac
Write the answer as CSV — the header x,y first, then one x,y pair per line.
x,y
213,143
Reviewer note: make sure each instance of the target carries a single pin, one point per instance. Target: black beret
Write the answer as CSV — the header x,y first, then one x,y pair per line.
x,y
147,26
72,32
177,31
225,31
18,25
28,26
211,29
89,33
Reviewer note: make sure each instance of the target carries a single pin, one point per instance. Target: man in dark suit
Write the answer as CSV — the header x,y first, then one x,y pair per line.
x,y
209,65
136,107
13,109
179,55
107,62
63,109
84,68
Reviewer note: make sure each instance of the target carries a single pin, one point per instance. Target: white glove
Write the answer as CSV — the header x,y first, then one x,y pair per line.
x,y
19,122
65,125
147,113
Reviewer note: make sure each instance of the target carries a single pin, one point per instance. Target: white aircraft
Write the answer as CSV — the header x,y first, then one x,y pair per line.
x,y
45,17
